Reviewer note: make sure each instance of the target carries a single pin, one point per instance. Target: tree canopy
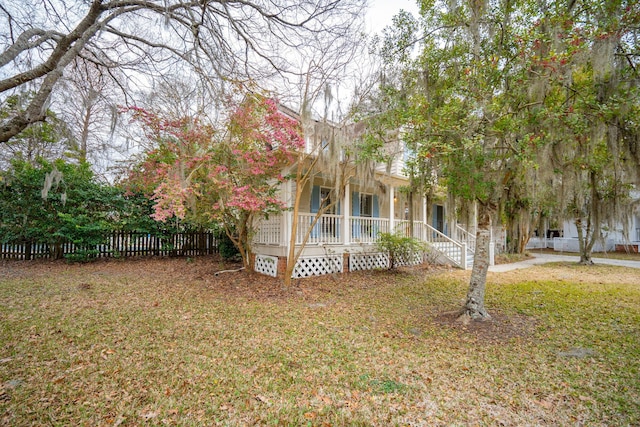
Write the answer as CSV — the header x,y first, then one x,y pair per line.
x,y
514,104
227,176
134,41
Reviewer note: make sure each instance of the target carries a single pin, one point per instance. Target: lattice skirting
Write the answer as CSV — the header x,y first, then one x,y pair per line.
x,y
414,259
372,261
368,261
267,265
317,266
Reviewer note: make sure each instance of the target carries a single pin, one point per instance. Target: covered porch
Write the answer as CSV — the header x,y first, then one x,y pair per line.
x,y
339,242
339,230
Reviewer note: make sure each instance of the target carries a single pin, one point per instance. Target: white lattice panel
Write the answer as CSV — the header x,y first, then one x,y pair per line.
x,y
368,261
267,265
317,266
414,259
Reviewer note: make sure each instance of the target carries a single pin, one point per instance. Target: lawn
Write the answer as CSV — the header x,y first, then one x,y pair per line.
x,y
164,342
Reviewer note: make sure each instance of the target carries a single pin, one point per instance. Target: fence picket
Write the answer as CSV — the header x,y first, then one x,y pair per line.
x,y
119,244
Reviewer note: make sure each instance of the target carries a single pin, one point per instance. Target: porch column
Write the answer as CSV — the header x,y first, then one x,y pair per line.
x,y
425,222
346,214
287,215
392,208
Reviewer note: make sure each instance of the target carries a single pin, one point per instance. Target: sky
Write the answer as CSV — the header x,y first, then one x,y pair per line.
x,y
381,12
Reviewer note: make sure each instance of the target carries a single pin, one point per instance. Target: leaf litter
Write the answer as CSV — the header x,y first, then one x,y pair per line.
x,y
164,341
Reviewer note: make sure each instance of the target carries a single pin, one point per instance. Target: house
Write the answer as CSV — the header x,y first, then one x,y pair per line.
x,y
620,237
357,205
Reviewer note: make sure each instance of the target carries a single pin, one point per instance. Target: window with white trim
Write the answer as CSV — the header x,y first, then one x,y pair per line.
x,y
366,205
326,199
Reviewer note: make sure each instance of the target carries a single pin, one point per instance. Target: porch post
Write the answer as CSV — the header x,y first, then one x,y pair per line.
x,y
424,218
346,214
392,207
287,216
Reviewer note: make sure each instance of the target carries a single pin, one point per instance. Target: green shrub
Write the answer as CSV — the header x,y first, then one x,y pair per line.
x,y
399,248
226,248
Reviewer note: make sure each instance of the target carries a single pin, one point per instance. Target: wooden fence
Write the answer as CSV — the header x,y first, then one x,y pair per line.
x,y
118,245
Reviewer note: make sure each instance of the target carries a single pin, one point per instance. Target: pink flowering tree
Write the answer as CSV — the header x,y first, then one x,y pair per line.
x,y
230,177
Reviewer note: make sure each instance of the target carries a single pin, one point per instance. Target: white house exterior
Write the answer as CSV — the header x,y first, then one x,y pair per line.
x,y
343,239
613,238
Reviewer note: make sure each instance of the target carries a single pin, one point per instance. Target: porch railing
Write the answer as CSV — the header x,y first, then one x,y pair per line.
x,y
404,227
455,251
269,231
329,229
463,235
326,230
366,230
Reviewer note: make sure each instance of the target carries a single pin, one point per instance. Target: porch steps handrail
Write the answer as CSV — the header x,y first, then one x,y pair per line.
x,y
467,237
453,250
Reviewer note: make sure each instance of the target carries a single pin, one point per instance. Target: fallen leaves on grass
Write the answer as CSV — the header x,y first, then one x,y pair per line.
x,y
499,328
166,342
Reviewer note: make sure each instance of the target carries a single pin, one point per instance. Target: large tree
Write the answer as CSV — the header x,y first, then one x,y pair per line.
x,y
460,113
221,41
228,176
586,58
510,98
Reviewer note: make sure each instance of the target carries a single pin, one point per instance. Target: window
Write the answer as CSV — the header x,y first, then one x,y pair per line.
x,y
326,200
408,153
324,145
366,205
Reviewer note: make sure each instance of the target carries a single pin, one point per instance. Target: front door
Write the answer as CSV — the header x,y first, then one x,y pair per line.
x,y
438,218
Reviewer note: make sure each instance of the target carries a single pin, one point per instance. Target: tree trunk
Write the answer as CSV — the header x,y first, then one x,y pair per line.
x,y
474,306
242,241
291,256
302,179
66,49
585,248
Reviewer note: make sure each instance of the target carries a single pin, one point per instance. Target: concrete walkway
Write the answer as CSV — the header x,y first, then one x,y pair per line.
x,y
545,258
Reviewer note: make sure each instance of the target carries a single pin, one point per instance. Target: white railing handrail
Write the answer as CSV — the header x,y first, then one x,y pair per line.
x,y
327,228
268,231
404,225
441,235
313,215
466,237
460,248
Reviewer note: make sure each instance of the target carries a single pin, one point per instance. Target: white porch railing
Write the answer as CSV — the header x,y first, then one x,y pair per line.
x,y
329,230
269,231
366,230
326,230
462,235
455,251
404,227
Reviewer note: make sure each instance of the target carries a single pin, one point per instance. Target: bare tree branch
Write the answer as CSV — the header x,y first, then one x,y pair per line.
x,y
222,40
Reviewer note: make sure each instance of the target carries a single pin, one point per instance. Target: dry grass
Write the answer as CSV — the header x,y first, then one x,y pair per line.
x,y
629,256
163,342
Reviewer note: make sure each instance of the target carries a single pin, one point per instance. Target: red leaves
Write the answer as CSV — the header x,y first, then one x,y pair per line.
x,y
237,172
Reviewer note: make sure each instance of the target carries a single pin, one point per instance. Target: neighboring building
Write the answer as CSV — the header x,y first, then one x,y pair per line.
x,y
614,238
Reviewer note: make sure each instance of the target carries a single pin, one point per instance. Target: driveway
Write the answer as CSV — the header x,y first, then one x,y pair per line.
x,y
545,258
